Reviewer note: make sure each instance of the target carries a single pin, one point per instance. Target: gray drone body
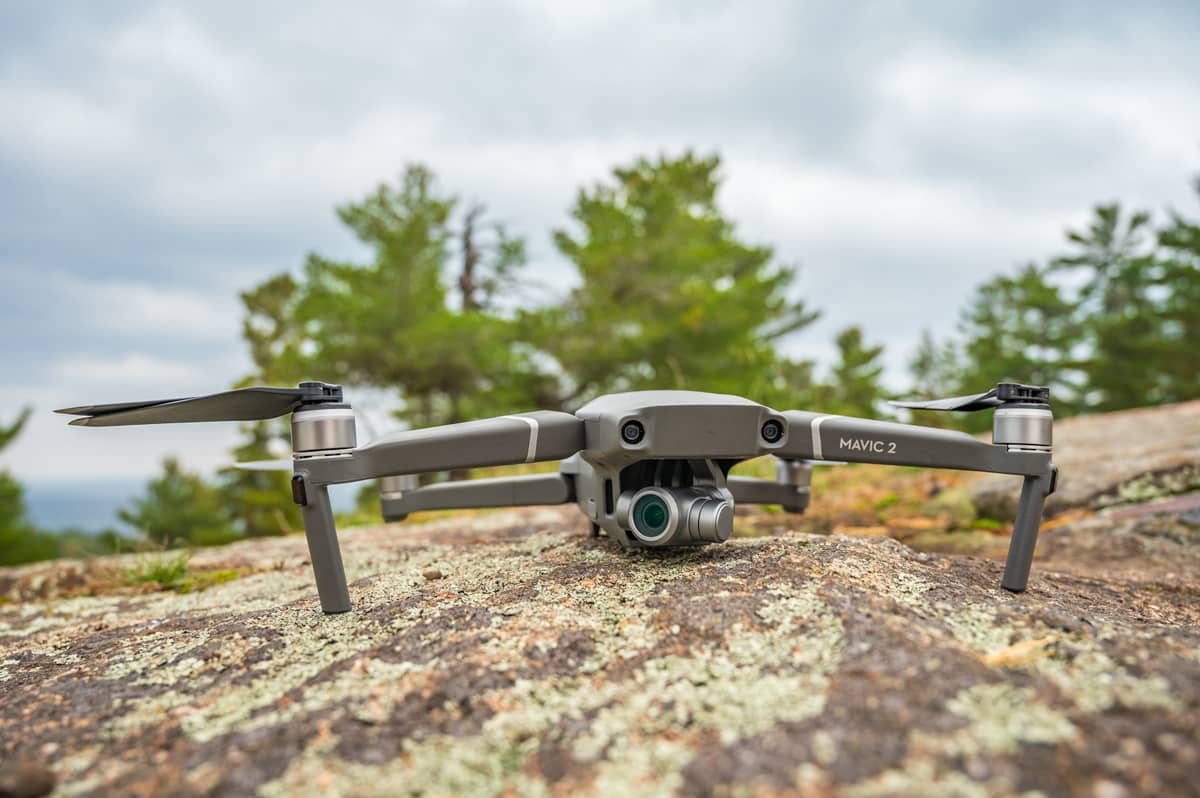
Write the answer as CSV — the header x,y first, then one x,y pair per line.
x,y
649,468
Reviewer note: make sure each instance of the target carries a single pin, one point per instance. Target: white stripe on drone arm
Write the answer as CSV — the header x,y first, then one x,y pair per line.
x,y
531,452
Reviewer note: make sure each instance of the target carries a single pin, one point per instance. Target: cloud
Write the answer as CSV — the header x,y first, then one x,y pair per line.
x,y
165,157
128,371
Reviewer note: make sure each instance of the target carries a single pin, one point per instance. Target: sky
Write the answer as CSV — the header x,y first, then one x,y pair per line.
x,y
157,158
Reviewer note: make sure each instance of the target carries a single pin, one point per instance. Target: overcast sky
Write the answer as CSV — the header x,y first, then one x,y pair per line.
x,y
157,158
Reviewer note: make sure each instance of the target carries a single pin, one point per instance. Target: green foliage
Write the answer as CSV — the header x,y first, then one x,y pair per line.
x,y
1116,258
180,508
73,542
1020,328
167,571
388,322
20,542
366,507
260,502
936,369
669,296
1123,332
1179,264
9,434
173,572
854,386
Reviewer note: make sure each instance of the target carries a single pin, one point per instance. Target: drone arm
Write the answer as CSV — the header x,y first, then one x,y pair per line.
x,y
819,437
505,440
814,436
790,489
748,490
516,491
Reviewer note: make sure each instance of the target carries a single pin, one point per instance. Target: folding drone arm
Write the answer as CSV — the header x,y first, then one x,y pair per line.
x,y
516,491
548,489
790,489
506,440
818,437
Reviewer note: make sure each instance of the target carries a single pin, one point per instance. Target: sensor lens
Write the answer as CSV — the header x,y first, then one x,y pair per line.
x,y
772,431
633,432
651,515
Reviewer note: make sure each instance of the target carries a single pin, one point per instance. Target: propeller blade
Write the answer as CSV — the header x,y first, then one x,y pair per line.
x,y
976,401
243,404
96,410
264,465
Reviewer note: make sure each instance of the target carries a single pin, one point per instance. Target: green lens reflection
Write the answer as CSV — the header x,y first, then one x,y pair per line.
x,y
651,515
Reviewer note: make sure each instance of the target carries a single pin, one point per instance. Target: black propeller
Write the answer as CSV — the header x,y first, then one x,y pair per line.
x,y
1006,393
242,404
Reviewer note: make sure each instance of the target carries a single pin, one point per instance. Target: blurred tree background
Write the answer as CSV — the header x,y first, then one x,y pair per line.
x,y
667,295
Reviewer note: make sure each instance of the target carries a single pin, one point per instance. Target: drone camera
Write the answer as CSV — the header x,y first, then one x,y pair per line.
x,y
632,432
659,516
772,430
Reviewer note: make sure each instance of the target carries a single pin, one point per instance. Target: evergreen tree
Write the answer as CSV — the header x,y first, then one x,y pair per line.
x,y
260,502
1124,344
936,370
1020,328
389,322
854,387
1180,284
180,508
20,541
669,295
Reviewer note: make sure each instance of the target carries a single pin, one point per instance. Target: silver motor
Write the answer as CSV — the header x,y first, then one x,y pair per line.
x,y
1024,427
323,428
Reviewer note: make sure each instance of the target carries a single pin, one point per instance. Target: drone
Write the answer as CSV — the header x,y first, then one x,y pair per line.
x,y
648,468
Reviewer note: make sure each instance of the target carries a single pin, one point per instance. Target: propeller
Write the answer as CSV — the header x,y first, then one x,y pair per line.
x,y
1003,394
242,404
265,465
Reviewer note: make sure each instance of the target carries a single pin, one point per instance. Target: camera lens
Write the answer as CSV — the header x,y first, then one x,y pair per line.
x,y
633,432
772,431
651,516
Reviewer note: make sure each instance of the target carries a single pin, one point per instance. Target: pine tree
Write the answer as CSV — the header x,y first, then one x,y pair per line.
x,y
1021,328
180,508
390,323
20,541
854,387
936,370
260,502
1121,321
1180,283
669,295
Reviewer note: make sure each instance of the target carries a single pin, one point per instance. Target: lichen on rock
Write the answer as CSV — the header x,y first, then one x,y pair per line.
x,y
542,661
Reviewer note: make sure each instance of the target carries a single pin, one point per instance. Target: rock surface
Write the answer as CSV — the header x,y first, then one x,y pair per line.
x,y
539,661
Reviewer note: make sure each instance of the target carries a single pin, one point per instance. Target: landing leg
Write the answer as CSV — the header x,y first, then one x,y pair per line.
x,y
1034,491
323,550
